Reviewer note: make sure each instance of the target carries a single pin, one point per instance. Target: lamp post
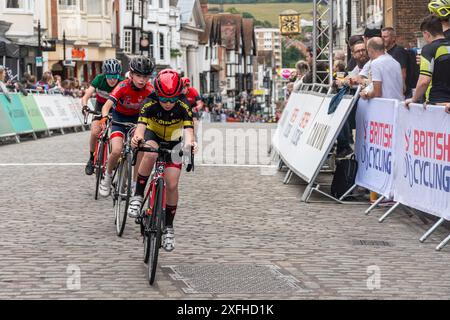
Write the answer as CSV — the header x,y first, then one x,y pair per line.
x,y
39,60
64,54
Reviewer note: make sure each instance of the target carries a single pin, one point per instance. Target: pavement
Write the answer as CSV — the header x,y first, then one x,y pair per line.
x,y
240,233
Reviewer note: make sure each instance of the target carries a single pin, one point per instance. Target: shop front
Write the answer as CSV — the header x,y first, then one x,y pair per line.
x,y
82,63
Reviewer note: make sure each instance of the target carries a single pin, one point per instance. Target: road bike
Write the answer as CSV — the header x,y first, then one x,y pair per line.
x,y
122,180
152,216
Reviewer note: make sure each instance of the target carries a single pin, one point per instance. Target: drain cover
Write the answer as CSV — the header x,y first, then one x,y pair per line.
x,y
234,278
374,243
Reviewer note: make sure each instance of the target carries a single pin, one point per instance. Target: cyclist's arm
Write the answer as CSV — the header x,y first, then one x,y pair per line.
x,y
107,107
189,136
140,132
89,92
421,87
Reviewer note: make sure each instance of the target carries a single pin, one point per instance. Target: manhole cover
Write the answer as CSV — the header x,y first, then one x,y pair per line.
x,y
234,278
374,243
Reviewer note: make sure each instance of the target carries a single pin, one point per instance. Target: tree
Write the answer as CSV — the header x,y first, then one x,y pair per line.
x,y
290,56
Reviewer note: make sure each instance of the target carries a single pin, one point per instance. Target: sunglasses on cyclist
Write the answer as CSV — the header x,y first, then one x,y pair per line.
x,y
171,100
112,76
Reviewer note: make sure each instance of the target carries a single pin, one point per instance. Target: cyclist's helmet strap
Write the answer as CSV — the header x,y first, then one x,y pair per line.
x,y
142,65
168,84
111,66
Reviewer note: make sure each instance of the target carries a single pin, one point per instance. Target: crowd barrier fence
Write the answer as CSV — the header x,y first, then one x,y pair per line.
x,y
403,154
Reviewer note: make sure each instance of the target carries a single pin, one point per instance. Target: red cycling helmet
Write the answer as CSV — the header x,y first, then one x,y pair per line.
x,y
185,81
168,84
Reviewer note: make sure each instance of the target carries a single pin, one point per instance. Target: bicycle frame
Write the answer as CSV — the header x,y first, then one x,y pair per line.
x,y
103,136
160,166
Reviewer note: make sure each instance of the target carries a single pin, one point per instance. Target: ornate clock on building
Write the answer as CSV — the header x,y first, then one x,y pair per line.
x,y
290,23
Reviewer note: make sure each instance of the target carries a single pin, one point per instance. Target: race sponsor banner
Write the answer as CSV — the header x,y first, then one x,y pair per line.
x,y
321,135
66,112
56,111
15,111
306,132
295,123
374,147
6,128
36,119
422,168
294,98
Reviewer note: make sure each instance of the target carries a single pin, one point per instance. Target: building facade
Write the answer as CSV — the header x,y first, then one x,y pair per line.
x,y
269,39
84,34
18,34
353,16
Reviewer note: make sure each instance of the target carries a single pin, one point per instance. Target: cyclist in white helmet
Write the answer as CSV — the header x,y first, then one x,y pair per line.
x,y
102,85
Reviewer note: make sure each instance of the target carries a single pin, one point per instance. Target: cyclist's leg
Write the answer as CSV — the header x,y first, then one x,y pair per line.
x,y
172,177
143,173
95,131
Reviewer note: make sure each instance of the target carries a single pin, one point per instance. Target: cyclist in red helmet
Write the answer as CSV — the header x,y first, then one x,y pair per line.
x,y
192,97
162,119
126,101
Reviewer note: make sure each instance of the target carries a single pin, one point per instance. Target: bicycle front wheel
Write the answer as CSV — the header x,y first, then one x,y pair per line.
x,y
123,194
99,167
154,241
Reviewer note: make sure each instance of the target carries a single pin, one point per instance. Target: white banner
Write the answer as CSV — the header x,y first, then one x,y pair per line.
x,y
374,146
296,121
422,168
306,132
57,111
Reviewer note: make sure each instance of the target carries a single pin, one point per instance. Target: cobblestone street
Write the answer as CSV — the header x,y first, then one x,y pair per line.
x,y
235,225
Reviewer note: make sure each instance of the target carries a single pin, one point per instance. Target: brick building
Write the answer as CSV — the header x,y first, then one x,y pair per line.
x,y
353,16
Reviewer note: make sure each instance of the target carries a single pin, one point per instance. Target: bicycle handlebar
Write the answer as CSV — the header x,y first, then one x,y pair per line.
x,y
189,167
88,112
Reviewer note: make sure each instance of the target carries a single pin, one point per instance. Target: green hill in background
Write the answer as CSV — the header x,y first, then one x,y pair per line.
x,y
269,11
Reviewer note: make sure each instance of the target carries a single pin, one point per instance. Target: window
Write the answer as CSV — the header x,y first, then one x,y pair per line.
x,y
151,44
161,46
127,41
107,4
14,4
68,4
82,5
129,5
206,52
21,5
161,4
94,7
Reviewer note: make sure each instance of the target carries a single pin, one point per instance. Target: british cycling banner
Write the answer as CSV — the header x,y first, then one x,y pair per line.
x,y
422,167
374,147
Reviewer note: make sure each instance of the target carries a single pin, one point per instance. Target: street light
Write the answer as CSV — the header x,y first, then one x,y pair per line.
x,y
39,60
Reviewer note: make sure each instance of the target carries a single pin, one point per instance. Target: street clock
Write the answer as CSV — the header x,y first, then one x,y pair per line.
x,y
290,24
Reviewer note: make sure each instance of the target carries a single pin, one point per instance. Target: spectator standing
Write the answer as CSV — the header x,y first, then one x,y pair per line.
x,y
302,69
434,79
398,53
3,88
384,73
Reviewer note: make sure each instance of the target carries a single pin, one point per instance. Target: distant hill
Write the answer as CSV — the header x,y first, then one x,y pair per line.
x,y
264,10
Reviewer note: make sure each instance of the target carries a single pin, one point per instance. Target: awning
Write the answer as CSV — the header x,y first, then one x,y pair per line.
x,y
9,49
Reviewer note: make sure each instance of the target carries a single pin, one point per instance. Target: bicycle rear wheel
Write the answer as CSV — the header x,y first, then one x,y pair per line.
x,y
154,242
99,167
123,194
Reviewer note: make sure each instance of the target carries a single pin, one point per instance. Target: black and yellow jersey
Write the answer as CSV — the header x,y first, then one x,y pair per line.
x,y
435,63
167,125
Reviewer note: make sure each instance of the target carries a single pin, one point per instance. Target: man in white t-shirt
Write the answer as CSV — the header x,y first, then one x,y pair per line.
x,y
384,73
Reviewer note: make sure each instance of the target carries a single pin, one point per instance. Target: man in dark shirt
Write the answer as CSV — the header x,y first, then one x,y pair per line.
x,y
434,81
398,53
